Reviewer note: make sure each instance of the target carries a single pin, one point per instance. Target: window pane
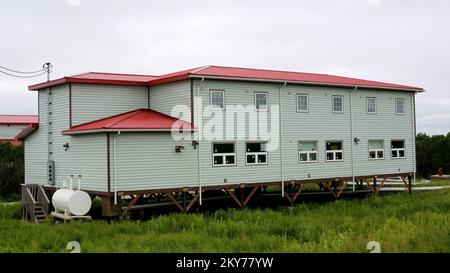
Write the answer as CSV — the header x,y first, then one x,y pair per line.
x,y
375,144
371,105
218,160
400,106
261,101
372,154
251,159
303,157
398,144
307,146
256,147
221,148
217,99
312,157
339,156
333,146
394,153
302,103
401,153
229,159
380,154
262,158
337,104
330,156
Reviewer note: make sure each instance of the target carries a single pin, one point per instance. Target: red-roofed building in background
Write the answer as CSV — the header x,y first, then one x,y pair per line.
x,y
12,125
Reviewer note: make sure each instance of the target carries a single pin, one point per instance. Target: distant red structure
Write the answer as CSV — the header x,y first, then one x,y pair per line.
x,y
440,171
13,125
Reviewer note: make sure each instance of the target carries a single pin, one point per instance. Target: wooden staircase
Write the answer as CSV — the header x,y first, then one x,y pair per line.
x,y
36,205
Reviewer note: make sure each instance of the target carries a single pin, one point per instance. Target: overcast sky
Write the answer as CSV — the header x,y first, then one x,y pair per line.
x,y
398,41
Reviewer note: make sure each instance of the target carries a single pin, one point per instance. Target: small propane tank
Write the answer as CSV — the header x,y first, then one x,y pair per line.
x,y
75,202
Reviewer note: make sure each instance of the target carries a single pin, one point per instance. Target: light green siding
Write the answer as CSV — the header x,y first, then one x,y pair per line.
x,y
91,102
10,131
35,145
163,98
149,161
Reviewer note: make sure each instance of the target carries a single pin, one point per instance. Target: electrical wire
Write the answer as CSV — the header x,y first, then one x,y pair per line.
x,y
23,76
22,72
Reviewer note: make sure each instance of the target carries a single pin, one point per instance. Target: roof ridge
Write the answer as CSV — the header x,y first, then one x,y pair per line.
x,y
137,111
128,74
199,69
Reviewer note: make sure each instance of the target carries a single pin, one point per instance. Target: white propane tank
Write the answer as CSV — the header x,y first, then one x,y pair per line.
x,y
76,202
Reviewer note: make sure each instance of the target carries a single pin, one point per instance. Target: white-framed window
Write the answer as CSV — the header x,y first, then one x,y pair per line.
x,y
334,151
224,154
400,106
302,103
338,104
376,149
256,153
261,101
371,105
307,151
217,99
398,149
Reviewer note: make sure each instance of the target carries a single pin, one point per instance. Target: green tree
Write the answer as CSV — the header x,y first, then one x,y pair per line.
x,y
11,170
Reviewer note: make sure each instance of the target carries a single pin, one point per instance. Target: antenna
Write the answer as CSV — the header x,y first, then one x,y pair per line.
x,y
48,68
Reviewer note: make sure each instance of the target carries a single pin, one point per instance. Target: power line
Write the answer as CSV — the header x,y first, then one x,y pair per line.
x,y
23,76
22,72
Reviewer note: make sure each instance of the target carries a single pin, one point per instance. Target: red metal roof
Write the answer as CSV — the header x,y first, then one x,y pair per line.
x,y
12,141
27,131
19,119
222,72
98,78
137,120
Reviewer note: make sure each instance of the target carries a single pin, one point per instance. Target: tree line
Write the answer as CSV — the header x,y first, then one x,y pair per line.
x,y
432,152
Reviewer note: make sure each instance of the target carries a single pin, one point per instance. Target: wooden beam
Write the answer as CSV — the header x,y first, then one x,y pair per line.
x,y
250,196
131,204
174,200
192,202
233,196
298,193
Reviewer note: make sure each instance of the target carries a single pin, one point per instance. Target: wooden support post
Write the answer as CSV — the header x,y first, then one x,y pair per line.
x,y
193,201
243,200
131,204
409,184
174,200
249,196
242,196
233,196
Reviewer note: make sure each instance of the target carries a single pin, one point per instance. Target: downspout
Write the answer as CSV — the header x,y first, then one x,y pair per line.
x,y
413,108
199,135
281,137
115,167
352,137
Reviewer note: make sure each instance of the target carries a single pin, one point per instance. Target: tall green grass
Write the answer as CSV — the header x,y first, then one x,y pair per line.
x,y
401,223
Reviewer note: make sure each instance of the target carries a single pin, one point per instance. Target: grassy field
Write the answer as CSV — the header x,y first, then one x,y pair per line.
x,y
399,222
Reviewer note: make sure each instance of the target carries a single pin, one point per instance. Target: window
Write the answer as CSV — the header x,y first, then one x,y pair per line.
x,y
376,149
256,153
398,148
399,106
217,99
307,151
261,101
338,104
224,154
302,103
371,105
334,151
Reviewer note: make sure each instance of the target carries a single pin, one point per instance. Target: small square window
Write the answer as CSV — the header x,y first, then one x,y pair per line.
x,y
217,99
338,104
371,105
376,149
398,149
307,151
256,153
399,106
334,151
302,103
223,154
261,101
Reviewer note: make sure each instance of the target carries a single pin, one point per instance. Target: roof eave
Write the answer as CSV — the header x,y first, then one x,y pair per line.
x,y
308,83
103,130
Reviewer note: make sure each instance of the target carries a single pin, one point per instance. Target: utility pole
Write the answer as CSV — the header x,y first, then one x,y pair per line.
x,y
48,67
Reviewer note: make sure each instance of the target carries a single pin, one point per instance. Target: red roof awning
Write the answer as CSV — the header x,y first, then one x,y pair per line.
x,y
19,119
140,120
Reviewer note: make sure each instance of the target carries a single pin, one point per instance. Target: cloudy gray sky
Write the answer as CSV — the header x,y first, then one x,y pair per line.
x,y
399,41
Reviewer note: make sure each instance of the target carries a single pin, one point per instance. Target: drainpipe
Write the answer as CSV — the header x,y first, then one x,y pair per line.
x,y
199,135
115,167
281,137
413,108
352,137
